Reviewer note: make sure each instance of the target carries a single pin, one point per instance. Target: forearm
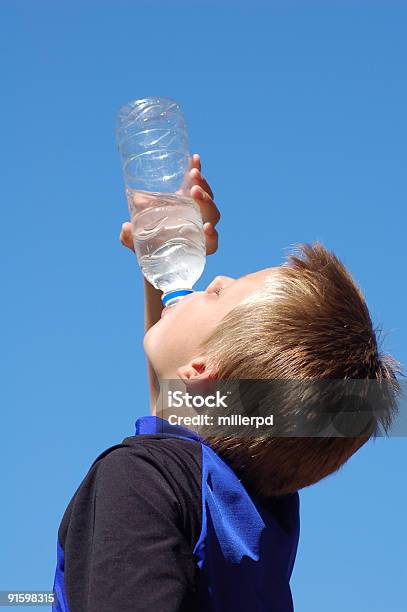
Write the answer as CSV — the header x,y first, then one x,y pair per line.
x,y
152,312
152,305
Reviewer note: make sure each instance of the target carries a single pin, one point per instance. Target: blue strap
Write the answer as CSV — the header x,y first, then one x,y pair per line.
x,y
157,425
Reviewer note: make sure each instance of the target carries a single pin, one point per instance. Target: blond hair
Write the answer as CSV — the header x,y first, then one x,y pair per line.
x,y
309,321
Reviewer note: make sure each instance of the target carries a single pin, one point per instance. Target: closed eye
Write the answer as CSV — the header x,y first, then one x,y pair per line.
x,y
219,283
217,287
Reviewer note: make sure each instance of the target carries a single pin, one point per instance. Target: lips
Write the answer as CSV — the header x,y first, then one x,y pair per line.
x,y
165,311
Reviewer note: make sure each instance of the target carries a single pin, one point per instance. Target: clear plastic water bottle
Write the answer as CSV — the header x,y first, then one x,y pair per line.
x,y
166,223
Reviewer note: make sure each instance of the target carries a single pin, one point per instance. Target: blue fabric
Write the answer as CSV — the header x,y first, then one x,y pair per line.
x,y
244,556
60,604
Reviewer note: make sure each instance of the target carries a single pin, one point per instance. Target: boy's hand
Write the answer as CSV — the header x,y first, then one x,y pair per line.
x,y
198,188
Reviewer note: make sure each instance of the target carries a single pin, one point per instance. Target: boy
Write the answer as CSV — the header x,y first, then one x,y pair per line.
x,y
172,522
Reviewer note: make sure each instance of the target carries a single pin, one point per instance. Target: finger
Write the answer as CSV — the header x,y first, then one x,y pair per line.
x,y
196,161
126,237
209,210
206,186
211,238
198,179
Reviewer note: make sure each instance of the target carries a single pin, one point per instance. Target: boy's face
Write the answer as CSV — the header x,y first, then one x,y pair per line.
x,y
175,339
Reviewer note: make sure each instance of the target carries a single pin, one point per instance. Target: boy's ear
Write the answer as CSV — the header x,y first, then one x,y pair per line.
x,y
194,369
196,376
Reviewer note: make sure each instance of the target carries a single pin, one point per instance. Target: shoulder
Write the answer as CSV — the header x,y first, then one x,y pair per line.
x,y
149,471
153,460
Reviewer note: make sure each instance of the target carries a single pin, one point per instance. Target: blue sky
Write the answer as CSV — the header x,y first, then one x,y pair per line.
x,y
299,112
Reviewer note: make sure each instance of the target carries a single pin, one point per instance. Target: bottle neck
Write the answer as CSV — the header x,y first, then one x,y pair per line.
x,y
172,297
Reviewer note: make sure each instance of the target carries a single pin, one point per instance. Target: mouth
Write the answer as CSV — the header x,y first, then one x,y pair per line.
x,y
165,311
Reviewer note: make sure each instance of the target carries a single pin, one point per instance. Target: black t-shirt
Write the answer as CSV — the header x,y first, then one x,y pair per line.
x,y
129,531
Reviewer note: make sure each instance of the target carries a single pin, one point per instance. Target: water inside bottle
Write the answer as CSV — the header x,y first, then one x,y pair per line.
x,y
168,238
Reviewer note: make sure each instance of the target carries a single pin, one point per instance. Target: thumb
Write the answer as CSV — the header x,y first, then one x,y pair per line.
x,y
211,238
126,237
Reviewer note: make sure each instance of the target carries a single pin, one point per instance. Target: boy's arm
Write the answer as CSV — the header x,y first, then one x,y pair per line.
x,y
196,186
153,307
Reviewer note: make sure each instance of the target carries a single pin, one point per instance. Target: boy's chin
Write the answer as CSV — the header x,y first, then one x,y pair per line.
x,y
154,344
150,342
